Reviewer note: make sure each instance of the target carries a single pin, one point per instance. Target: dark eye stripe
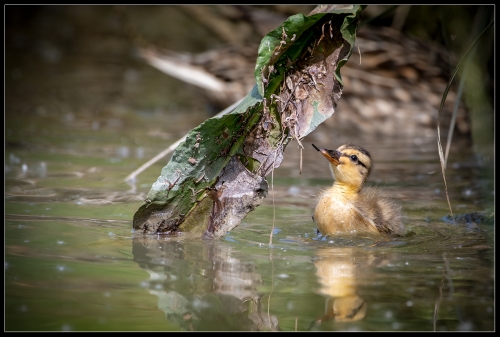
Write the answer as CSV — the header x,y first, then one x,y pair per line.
x,y
358,161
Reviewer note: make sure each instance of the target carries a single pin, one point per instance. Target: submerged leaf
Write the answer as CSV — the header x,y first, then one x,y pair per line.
x,y
218,174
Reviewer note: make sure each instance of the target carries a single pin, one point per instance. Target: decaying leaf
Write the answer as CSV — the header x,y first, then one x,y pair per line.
x,y
218,174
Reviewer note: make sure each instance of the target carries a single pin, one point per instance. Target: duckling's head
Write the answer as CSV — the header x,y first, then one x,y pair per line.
x,y
350,165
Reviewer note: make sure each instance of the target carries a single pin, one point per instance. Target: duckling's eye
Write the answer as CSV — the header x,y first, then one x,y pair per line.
x,y
354,158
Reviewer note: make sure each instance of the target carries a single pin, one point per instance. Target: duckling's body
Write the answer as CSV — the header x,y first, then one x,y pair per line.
x,y
347,206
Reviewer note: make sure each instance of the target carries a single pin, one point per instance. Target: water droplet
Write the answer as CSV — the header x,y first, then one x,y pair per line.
x,y
66,327
396,325
13,159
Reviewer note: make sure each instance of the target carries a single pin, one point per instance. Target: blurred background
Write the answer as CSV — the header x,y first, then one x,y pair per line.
x,y
394,82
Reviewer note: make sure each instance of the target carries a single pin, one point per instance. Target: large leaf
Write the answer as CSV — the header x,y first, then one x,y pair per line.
x,y
218,174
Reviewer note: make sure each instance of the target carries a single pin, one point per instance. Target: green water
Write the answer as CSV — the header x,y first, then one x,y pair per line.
x,y
75,128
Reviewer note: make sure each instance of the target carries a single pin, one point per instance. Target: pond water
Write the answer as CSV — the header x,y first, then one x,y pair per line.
x,y
82,113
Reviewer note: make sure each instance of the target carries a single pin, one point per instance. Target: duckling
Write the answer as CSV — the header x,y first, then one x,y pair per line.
x,y
347,206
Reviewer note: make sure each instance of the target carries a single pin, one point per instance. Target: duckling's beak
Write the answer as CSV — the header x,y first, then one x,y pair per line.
x,y
332,155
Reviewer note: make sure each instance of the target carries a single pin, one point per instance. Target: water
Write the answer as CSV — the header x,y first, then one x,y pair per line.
x,y
82,115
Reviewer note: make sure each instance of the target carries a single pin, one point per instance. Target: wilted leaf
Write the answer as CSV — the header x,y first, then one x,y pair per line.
x,y
218,174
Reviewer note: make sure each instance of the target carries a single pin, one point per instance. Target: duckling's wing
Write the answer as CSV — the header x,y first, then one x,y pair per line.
x,y
389,218
361,217
381,211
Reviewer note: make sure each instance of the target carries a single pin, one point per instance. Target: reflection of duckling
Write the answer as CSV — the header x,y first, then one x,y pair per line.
x,y
336,273
344,309
347,206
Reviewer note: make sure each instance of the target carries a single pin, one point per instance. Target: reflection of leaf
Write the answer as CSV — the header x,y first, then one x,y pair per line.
x,y
218,174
